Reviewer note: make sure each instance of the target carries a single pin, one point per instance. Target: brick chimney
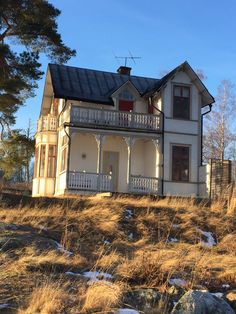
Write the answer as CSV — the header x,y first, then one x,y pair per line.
x,y
124,70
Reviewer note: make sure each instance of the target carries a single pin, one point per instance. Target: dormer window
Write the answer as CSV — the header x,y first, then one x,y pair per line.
x,y
181,102
126,101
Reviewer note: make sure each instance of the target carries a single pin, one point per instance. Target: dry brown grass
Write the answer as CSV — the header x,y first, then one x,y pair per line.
x,y
102,296
50,261
49,298
98,232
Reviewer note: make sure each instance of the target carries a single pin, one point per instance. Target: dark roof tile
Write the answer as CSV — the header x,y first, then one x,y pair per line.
x,y
92,85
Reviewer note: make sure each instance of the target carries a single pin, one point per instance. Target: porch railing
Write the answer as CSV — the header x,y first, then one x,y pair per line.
x,y
90,181
47,123
143,185
114,118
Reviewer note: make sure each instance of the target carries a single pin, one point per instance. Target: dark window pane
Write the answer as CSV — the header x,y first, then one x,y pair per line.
x,y
180,163
177,91
181,102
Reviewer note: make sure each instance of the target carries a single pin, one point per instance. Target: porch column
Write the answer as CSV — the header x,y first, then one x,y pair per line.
x,y
130,142
99,140
159,157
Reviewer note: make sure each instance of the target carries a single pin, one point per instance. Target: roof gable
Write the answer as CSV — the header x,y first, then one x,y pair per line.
x,y
206,96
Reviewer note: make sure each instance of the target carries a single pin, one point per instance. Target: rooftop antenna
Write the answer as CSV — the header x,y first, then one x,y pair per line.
x,y
128,57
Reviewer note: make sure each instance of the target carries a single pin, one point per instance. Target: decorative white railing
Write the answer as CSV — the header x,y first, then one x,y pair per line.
x,y
145,185
47,123
114,118
90,181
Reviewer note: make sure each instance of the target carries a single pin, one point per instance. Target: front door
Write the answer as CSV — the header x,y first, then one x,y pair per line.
x,y
111,166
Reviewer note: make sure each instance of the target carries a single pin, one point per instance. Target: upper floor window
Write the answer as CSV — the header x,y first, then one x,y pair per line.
x,y
181,102
180,163
126,101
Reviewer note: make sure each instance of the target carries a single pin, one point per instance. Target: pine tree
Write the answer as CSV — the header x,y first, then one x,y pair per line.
x,y
31,24
16,152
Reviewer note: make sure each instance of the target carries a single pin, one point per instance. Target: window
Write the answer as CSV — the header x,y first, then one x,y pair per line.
x,y
63,159
181,102
180,163
36,162
126,101
51,161
42,160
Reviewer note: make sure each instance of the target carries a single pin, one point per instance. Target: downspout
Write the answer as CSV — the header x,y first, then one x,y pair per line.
x,y
203,114
162,142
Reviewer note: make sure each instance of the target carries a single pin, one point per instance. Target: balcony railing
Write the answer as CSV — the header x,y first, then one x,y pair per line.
x,y
115,119
90,181
47,123
143,185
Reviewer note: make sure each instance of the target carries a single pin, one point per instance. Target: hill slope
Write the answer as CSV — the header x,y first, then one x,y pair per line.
x,y
90,255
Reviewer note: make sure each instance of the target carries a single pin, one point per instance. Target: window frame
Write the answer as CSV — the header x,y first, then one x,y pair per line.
x,y
36,161
51,166
172,163
42,161
190,100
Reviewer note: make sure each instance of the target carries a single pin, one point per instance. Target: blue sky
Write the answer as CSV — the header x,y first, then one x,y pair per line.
x,y
164,33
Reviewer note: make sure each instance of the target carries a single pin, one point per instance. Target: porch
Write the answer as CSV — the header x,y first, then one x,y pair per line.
x,y
111,163
103,183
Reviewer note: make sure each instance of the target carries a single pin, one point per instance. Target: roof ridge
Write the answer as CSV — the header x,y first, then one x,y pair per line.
x,y
101,71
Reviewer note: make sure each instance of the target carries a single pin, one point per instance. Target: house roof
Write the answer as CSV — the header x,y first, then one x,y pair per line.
x,y
93,85
98,86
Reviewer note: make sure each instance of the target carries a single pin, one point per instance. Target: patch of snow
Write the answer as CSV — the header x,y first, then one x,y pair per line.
x,y
175,226
127,311
226,286
130,236
3,305
62,250
217,294
42,228
173,240
128,213
106,242
177,282
210,241
95,276
71,273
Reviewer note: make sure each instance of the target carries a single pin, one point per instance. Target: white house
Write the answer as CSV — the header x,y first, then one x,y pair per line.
x,y
100,131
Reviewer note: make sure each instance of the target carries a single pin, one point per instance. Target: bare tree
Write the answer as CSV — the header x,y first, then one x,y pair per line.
x,y
219,133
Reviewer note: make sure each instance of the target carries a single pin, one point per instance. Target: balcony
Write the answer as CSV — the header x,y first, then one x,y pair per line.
x,y
89,181
143,185
47,123
81,116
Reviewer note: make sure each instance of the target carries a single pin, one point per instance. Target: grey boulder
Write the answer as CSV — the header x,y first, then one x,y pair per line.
x,y
199,302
